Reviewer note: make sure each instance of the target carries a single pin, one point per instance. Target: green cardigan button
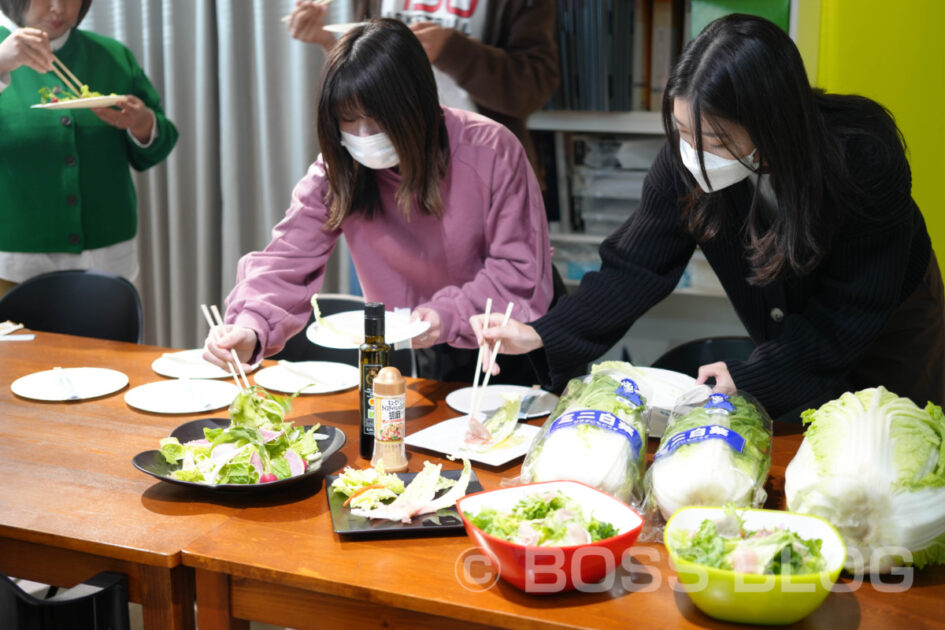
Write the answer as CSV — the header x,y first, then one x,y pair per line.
x,y
70,160
74,239
72,200
65,121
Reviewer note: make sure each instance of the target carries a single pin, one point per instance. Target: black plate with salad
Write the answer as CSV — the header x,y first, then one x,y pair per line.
x,y
255,449
443,521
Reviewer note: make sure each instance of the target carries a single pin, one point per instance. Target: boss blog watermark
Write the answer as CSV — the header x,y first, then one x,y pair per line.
x,y
548,570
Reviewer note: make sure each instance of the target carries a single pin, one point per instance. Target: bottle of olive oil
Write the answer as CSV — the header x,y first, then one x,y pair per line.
x,y
373,355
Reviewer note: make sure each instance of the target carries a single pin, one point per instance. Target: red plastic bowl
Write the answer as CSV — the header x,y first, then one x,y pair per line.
x,y
554,569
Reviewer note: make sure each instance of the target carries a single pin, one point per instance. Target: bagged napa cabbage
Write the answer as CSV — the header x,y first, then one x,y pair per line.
x,y
596,434
715,453
873,465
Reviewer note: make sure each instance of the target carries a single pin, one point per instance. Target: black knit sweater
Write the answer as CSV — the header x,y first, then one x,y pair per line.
x,y
829,318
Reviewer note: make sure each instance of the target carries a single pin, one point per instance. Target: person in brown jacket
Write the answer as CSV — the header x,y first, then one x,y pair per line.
x,y
497,57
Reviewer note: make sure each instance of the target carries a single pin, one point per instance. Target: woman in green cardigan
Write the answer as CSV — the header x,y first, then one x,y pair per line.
x,y
67,200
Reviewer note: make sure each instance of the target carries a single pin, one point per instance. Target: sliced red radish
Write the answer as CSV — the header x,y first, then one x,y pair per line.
x,y
256,462
267,478
269,436
296,465
223,453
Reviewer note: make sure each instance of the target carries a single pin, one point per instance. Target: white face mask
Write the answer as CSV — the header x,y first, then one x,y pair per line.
x,y
375,151
722,172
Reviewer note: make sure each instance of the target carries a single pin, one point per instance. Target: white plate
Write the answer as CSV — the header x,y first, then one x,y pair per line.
x,y
82,103
317,377
666,387
342,28
187,364
347,329
492,399
182,396
447,437
69,383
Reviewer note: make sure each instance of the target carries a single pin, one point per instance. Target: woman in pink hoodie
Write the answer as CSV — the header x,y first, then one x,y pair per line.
x,y
439,208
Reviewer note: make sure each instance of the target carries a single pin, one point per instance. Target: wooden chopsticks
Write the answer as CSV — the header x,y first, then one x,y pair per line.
x,y
68,79
288,18
473,399
477,394
214,329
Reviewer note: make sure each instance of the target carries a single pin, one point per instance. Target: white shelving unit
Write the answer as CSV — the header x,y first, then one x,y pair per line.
x,y
699,310
616,123
562,122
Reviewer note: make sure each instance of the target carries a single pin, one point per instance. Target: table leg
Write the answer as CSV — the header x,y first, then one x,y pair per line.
x,y
167,598
213,602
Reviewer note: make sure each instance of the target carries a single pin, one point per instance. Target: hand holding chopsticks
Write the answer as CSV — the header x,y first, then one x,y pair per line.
x,y
215,321
314,3
477,394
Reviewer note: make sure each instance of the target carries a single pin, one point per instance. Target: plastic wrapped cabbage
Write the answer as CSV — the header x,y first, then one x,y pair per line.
x,y
873,465
596,434
716,452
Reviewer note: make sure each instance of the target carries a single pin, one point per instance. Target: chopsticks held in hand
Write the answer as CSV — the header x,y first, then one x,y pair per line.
x,y
288,18
477,394
68,79
474,408
235,365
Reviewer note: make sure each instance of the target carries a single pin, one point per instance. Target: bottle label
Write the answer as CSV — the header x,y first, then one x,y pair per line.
x,y
390,418
369,371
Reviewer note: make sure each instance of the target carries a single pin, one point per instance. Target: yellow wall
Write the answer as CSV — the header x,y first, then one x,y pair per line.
x,y
893,51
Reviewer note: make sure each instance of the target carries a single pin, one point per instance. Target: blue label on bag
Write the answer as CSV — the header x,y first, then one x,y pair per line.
x,y
602,419
700,434
720,403
629,391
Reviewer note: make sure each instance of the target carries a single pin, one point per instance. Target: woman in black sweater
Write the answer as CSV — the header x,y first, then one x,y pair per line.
x,y
801,202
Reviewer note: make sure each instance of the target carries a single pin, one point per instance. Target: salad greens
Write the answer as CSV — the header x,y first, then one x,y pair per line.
x,y
595,434
481,436
56,94
715,454
873,464
775,551
368,488
419,497
543,519
259,445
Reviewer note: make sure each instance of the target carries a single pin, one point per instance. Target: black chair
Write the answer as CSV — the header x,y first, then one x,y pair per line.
x,y
99,603
299,348
688,356
76,302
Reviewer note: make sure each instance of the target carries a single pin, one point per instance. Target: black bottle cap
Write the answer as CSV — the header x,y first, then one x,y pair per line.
x,y
374,319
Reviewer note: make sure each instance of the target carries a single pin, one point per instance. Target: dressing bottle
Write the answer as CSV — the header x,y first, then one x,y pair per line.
x,y
390,426
373,355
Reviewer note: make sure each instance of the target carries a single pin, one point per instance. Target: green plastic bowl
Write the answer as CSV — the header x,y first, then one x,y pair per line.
x,y
757,599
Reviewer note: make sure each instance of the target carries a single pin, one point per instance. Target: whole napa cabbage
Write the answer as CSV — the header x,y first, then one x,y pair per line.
x,y
596,434
717,453
873,465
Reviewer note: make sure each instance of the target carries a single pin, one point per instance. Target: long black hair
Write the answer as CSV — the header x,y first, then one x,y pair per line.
x,y
746,70
14,9
379,70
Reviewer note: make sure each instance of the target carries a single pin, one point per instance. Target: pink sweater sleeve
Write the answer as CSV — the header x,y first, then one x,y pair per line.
x,y
274,286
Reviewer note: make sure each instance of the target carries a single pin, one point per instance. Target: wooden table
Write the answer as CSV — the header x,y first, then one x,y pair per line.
x,y
72,504
282,563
